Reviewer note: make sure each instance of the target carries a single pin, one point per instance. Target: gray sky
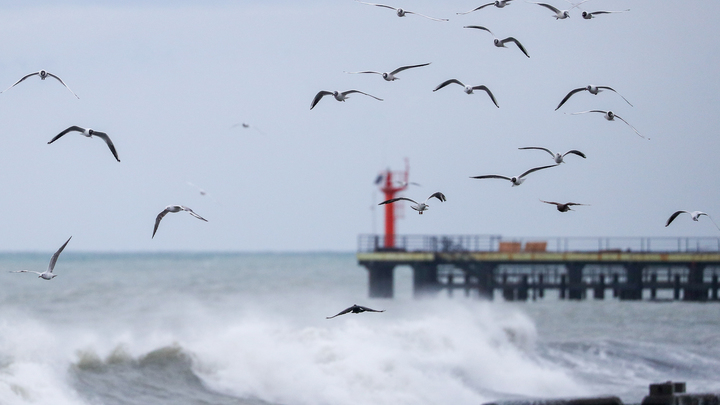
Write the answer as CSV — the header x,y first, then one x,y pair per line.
x,y
167,81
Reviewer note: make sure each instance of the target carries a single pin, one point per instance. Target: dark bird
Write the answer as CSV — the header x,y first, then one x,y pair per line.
x,y
500,43
88,132
517,180
610,116
694,215
496,3
390,76
48,274
174,208
592,89
400,12
43,75
355,309
562,207
558,158
338,96
468,89
419,207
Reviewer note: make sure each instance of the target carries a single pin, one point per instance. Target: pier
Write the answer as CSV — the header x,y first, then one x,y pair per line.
x,y
520,269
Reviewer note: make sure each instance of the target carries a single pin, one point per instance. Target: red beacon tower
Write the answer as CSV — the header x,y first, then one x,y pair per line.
x,y
390,184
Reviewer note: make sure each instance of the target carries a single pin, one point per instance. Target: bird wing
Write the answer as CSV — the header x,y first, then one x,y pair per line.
x,y
628,124
63,83
540,148
440,196
72,128
568,96
534,169
318,96
343,312
367,71
428,17
491,176
607,12
106,138
575,152
159,217
589,111
26,271
480,28
400,69
23,78
390,201
446,82
713,221
572,203
550,202
475,9
345,93
610,88
54,257
366,309
549,6
519,45
191,212
673,216
482,87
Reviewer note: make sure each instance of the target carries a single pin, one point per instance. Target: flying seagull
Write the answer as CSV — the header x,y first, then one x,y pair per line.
x,y
48,274
390,76
558,158
592,89
355,309
694,215
588,16
496,3
246,125
401,13
468,89
43,75
174,208
562,207
500,43
338,96
559,14
610,116
419,207
89,132
517,180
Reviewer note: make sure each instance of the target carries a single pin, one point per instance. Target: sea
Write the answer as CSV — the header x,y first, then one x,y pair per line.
x,y
251,329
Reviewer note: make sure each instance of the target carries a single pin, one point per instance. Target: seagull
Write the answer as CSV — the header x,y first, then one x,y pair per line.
x,y
390,76
593,90
556,156
610,116
246,125
559,14
517,180
48,274
43,75
355,309
174,208
468,89
401,13
88,132
562,207
501,43
694,215
419,207
588,16
338,96
496,3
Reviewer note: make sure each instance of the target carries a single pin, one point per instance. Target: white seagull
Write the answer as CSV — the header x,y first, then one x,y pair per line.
x,y
338,96
558,158
610,116
496,3
390,76
419,207
516,180
562,207
48,274
559,14
43,75
89,132
588,16
592,89
401,13
694,215
468,89
174,208
500,43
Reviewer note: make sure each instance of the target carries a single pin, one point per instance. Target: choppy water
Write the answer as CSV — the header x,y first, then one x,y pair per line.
x,y
251,329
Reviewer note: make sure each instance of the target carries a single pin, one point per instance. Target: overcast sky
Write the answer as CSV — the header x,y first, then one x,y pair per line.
x,y
167,81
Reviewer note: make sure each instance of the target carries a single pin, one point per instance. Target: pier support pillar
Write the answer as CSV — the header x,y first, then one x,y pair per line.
x,y
563,286
599,291
540,286
522,291
676,287
425,279
484,274
634,285
696,289
380,281
714,287
576,287
508,291
616,285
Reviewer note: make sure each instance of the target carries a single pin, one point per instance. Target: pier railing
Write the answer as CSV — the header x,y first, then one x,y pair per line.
x,y
494,243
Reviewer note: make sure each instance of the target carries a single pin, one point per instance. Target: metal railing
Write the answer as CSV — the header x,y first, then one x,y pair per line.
x,y
491,243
